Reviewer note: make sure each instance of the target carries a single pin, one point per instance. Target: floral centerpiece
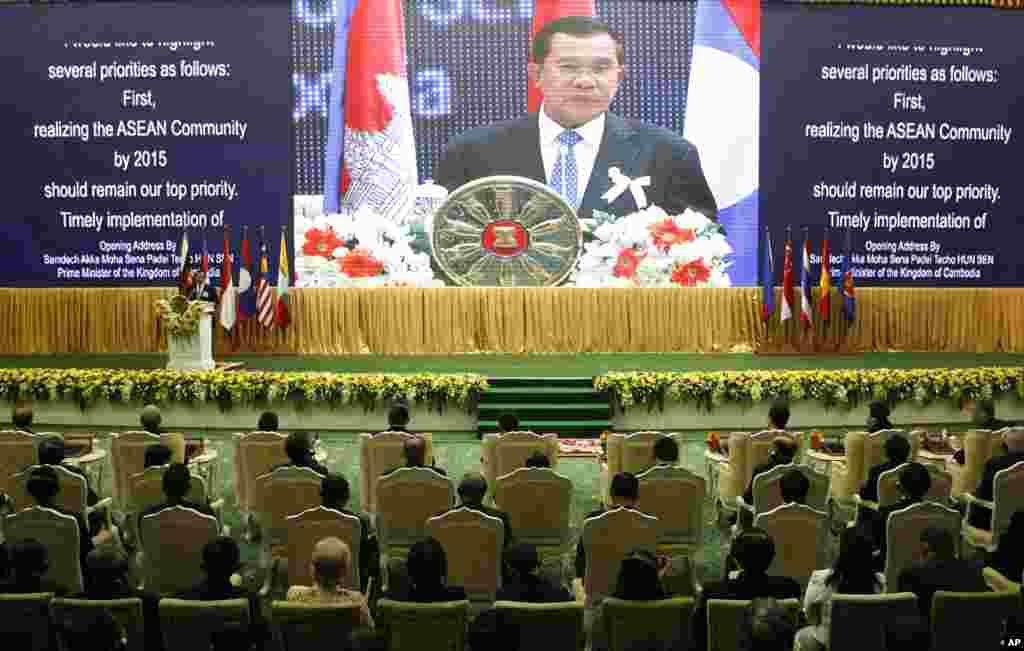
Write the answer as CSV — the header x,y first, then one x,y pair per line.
x,y
179,317
650,248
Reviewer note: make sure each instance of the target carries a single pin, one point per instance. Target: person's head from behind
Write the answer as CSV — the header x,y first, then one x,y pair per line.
x,y
878,415
51,452
177,482
523,558
936,544
29,559
538,459
22,417
415,450
220,558
157,454
625,490
367,639
768,626
778,414
915,481
666,450
43,485
508,423
897,449
398,417
427,564
854,569
984,411
577,62
108,568
334,491
472,488
330,563
753,551
268,422
783,449
638,577
492,631
298,448
794,487
150,419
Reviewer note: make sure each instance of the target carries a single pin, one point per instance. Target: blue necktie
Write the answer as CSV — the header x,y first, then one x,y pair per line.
x,y
564,175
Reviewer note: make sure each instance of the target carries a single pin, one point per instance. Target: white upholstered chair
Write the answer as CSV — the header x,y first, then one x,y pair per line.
x,y
903,535
979,446
1007,498
522,492
407,498
863,450
304,530
675,496
381,453
280,493
18,450
472,543
147,491
128,458
801,540
632,453
59,534
256,454
175,538
746,452
501,453
607,538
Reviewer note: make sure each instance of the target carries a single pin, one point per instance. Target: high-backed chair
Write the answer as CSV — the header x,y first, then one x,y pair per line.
x,y
607,538
628,453
889,490
408,497
175,538
256,454
187,624
128,458
60,535
472,543
73,495
501,453
801,540
546,625
726,617
26,618
283,492
18,451
304,530
379,454
675,496
863,450
903,534
1007,498
973,620
979,446
860,621
301,626
519,493
746,452
424,627
74,618
147,490
629,622
768,493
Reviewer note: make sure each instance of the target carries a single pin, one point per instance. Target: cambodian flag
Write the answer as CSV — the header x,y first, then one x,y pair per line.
x,y
722,108
370,161
544,11
805,283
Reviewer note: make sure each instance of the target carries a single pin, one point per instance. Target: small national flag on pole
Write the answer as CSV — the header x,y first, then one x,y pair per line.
x,y
786,312
767,278
246,289
228,298
282,316
544,11
806,310
846,287
825,282
266,298
184,277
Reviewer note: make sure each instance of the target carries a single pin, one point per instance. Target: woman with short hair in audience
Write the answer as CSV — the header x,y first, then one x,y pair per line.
x,y
852,573
425,576
330,566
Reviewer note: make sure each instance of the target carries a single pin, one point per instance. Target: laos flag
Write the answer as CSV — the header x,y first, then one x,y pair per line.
x,y
370,161
722,108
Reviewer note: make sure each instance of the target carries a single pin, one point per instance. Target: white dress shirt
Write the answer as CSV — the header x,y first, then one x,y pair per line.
x,y
585,150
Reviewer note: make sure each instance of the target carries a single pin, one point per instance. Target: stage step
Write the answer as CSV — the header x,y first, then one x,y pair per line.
x,y
568,407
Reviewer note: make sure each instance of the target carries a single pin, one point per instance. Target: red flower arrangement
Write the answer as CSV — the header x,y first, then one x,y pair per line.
x,y
667,234
713,443
692,273
627,262
321,242
360,264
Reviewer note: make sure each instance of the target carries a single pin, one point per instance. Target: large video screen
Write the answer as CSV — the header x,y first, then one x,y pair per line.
x,y
883,129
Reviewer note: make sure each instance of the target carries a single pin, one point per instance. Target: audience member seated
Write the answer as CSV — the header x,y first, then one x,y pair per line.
x,y
980,516
751,554
157,454
538,459
398,418
778,415
21,418
640,577
330,568
666,452
852,573
177,482
508,423
51,453
937,568
299,448
220,562
44,487
367,639
150,419
28,565
268,422
491,631
914,483
794,487
524,583
426,573
624,492
897,451
768,627
472,490
107,569
1008,559
878,417
783,451
415,451
335,494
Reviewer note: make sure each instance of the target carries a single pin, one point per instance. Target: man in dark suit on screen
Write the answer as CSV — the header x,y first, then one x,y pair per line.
x,y
573,143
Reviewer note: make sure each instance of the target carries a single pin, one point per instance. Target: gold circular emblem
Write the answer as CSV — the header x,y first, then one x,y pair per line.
x,y
506,231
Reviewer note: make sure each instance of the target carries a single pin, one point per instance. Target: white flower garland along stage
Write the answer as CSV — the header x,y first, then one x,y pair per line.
x,y
650,248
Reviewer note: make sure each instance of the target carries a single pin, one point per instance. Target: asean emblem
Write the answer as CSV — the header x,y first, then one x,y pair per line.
x,y
506,231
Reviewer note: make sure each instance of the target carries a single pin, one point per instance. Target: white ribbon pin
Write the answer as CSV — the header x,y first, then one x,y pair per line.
x,y
620,182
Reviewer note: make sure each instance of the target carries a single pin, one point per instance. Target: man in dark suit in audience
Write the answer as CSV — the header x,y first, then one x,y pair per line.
x,y
980,516
897,451
177,483
794,487
415,451
783,451
538,459
937,568
524,583
44,486
752,553
398,418
51,453
666,452
335,494
624,493
472,490
268,422
221,559
299,449
914,484
157,454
